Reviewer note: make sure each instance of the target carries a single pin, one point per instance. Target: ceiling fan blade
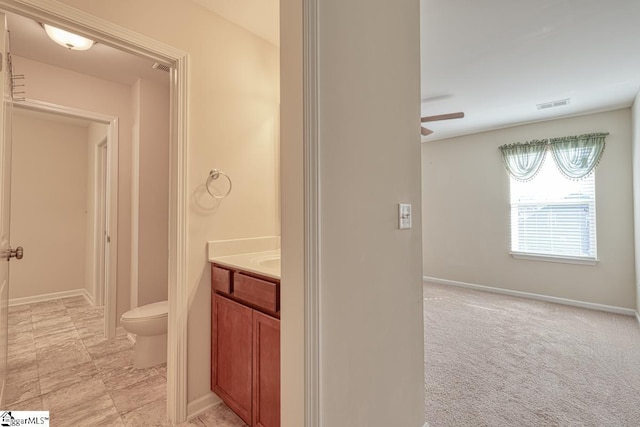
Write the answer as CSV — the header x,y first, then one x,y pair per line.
x,y
442,117
425,132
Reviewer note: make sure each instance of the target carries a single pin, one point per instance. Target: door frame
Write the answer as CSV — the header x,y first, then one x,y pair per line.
x,y
111,191
100,276
103,31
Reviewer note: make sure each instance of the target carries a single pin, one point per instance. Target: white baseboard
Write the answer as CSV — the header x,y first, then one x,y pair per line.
x,y
638,316
202,404
89,298
426,424
48,297
547,298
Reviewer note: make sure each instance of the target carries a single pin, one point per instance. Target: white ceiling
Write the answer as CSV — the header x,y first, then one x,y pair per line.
x,y
496,59
29,40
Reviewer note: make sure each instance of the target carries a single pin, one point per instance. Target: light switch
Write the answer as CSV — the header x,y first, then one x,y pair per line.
x,y
404,216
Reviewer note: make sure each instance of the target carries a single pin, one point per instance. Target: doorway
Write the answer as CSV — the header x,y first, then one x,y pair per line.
x,y
100,225
109,34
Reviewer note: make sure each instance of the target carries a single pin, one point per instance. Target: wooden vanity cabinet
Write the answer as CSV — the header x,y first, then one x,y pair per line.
x,y
245,345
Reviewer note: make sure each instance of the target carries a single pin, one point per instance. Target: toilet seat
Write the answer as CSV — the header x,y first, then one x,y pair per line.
x,y
155,310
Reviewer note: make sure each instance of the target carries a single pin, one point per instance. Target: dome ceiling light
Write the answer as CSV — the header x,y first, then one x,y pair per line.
x,y
66,39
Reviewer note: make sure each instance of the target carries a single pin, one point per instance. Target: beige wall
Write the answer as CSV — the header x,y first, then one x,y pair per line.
x,y
371,274
233,105
67,88
635,120
48,192
153,191
466,214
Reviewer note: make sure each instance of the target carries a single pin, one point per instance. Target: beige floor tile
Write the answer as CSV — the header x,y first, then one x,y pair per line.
x,y
105,347
20,329
61,356
47,323
123,377
19,342
34,404
85,403
139,394
66,377
75,302
26,372
21,360
122,359
18,391
86,313
218,416
91,329
152,414
18,319
16,309
43,333
47,307
56,338
60,361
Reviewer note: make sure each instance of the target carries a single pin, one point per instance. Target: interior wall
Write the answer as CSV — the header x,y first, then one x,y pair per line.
x,y
233,109
371,333
635,120
48,195
97,133
63,87
153,192
467,214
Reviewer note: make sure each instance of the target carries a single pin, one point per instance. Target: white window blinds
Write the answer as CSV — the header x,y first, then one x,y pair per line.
x,y
552,215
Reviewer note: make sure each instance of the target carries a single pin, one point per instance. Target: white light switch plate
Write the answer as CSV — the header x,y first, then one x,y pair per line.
x,y
404,216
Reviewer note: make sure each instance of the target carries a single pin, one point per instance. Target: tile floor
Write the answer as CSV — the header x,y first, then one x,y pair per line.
x,y
59,361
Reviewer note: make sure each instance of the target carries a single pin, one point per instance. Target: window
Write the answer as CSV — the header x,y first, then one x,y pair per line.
x,y
554,216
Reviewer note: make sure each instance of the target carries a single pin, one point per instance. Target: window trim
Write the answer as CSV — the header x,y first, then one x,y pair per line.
x,y
564,259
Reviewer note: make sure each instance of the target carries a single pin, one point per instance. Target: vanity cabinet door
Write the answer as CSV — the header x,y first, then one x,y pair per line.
x,y
266,370
231,354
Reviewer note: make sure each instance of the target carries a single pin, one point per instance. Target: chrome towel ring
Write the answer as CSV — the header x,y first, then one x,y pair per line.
x,y
213,175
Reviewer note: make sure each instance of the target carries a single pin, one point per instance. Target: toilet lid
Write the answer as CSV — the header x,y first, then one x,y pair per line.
x,y
148,311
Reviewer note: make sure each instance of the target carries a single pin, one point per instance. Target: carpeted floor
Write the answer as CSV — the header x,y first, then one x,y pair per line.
x,y
494,360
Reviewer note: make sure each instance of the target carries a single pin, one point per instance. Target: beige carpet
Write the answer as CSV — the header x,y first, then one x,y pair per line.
x,y
494,360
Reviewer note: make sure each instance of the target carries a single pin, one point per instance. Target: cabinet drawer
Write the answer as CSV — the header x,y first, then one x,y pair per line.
x,y
221,279
258,292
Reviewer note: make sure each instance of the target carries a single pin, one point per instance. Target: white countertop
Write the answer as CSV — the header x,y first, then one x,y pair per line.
x,y
266,263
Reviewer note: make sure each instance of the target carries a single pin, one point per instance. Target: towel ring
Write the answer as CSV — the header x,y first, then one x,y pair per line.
x,y
213,175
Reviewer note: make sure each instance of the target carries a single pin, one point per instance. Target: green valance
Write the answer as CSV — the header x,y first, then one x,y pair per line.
x,y
523,160
575,156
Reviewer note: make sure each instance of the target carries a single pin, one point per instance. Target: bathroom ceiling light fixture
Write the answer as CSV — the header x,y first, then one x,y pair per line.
x,y
66,39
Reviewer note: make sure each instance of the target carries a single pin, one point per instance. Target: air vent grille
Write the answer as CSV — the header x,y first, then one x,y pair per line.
x,y
553,104
161,67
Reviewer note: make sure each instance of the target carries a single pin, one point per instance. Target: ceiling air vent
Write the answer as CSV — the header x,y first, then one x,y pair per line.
x,y
161,67
552,104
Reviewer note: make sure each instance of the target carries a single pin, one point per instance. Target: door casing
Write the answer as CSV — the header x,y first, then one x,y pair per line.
x,y
79,22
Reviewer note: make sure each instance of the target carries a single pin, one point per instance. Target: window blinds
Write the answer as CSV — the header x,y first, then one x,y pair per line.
x,y
552,215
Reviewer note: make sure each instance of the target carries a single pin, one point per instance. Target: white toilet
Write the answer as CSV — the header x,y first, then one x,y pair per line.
x,y
149,324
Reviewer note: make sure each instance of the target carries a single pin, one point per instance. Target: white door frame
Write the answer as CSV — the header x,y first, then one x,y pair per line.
x,y
101,238
112,194
79,22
